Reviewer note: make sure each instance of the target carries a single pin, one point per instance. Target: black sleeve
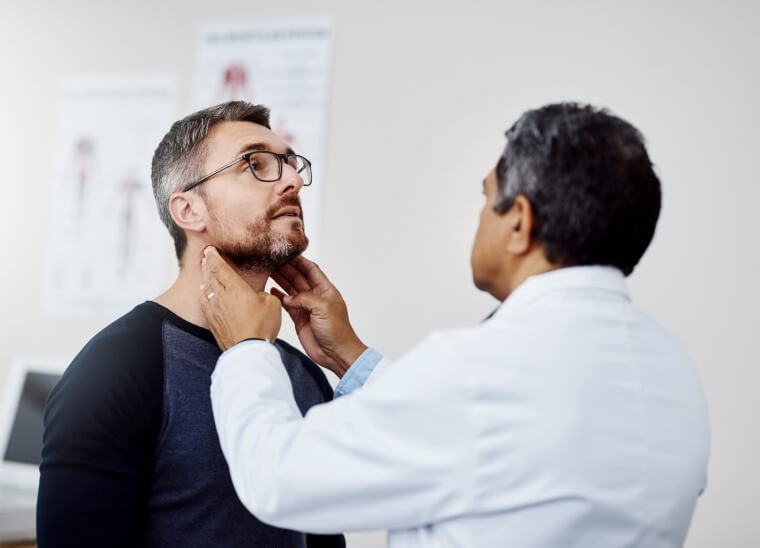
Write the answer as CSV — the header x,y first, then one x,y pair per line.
x,y
101,428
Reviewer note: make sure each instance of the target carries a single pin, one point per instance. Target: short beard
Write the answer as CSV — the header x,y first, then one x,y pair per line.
x,y
263,249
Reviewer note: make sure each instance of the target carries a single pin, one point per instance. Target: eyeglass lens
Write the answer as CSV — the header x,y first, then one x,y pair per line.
x,y
266,166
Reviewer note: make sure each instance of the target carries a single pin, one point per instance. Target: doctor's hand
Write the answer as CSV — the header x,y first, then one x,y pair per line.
x,y
234,311
319,314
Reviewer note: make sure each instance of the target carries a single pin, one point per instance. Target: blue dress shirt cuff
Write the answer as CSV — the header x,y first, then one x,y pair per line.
x,y
358,373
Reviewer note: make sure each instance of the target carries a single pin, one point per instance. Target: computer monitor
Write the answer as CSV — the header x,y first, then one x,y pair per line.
x,y
21,419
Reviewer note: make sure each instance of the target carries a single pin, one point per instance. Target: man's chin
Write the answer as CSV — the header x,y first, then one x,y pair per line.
x,y
300,246
295,236
268,259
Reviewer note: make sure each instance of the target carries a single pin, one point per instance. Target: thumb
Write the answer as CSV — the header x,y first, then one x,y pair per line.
x,y
277,293
306,301
294,313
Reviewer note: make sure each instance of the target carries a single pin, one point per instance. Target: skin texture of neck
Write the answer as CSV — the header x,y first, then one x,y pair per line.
x,y
531,264
183,297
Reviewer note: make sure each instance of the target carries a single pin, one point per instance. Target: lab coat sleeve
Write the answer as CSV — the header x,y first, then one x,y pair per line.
x,y
398,453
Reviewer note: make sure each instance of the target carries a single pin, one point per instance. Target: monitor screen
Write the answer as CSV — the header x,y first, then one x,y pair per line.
x,y
25,439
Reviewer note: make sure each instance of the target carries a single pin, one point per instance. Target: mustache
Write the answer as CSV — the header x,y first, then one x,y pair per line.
x,y
289,200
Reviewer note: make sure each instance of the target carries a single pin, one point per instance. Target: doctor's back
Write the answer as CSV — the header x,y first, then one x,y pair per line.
x,y
586,421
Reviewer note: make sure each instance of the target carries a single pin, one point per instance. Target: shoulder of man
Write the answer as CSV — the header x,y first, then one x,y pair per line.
x,y
102,422
111,391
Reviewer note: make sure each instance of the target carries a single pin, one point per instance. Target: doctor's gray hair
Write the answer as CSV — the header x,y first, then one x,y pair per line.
x,y
179,158
590,183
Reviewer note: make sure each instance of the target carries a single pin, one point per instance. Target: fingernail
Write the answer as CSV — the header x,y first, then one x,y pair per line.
x,y
203,260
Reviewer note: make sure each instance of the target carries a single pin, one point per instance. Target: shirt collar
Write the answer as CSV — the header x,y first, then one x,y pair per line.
x,y
605,278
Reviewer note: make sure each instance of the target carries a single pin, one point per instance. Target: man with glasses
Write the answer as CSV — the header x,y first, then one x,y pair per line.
x,y
130,453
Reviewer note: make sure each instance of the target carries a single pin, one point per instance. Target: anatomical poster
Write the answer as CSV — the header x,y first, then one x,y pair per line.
x,y
107,248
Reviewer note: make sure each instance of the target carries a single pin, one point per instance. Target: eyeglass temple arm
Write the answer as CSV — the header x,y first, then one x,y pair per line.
x,y
207,177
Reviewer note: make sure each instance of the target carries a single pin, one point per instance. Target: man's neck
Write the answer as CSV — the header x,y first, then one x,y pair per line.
x,y
184,296
531,264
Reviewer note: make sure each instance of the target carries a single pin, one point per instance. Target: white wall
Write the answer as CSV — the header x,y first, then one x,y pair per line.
x,y
422,93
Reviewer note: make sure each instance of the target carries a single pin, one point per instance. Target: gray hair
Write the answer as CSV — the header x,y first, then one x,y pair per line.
x,y
587,174
180,155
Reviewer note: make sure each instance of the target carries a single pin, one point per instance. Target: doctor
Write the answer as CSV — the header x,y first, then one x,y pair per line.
x,y
568,418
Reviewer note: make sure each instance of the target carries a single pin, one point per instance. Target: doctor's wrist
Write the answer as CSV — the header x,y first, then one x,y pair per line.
x,y
347,356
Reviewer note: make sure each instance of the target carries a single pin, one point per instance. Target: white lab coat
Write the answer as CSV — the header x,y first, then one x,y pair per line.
x,y
567,419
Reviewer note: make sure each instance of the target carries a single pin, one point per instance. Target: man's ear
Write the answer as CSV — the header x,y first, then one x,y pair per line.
x,y
521,220
188,210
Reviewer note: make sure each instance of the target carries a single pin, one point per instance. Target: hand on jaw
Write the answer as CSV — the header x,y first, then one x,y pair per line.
x,y
319,314
236,312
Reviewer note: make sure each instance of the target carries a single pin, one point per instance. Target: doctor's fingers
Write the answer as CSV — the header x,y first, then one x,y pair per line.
x,y
284,283
295,312
311,271
215,317
205,301
213,285
296,278
214,267
277,293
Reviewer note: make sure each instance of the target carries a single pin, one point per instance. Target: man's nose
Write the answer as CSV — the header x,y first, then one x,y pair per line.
x,y
290,181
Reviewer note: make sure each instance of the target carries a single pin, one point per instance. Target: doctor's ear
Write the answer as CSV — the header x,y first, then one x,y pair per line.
x,y
188,210
521,219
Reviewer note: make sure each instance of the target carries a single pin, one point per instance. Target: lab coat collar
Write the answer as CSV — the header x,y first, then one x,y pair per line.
x,y
605,278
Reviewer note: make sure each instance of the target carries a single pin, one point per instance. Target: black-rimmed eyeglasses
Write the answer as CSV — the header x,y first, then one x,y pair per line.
x,y
266,166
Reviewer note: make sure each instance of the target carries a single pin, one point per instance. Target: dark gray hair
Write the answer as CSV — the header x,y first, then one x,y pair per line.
x,y
589,180
180,156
